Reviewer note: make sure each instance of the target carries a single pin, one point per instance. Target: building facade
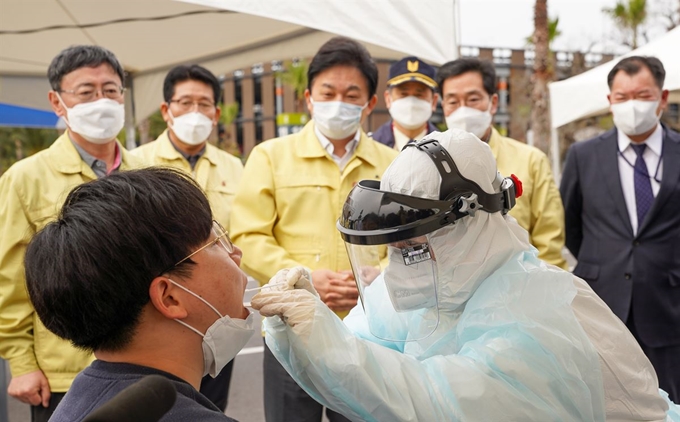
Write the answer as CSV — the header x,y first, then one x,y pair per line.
x,y
261,96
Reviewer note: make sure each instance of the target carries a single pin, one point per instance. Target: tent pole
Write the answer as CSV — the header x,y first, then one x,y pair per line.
x,y
456,27
555,155
130,132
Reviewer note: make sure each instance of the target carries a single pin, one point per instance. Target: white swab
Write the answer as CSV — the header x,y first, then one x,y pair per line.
x,y
265,286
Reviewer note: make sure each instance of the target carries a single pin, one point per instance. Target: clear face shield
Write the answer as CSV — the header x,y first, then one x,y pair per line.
x,y
397,284
389,242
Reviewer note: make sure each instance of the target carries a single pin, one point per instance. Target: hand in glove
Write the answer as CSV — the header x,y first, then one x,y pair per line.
x,y
294,307
291,279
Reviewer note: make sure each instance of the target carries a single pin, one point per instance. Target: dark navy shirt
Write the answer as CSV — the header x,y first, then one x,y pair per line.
x,y
101,381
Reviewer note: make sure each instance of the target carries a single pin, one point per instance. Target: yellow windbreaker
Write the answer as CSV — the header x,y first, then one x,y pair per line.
x,y
539,210
217,172
32,192
291,196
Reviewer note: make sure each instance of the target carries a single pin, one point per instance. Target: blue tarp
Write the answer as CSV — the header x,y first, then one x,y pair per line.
x,y
17,116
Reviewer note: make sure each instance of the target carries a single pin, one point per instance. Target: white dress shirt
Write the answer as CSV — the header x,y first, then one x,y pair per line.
x,y
651,155
400,140
330,148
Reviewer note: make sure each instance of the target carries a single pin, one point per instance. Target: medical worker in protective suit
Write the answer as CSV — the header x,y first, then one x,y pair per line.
x,y
461,321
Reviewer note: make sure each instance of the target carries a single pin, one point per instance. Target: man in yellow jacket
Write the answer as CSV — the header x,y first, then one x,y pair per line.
x,y
191,94
469,101
87,91
292,194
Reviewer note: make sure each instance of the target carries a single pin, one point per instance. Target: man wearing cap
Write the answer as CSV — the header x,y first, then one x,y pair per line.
x,y
411,98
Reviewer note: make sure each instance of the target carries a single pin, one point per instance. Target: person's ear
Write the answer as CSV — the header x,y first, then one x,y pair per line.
x,y
371,105
388,98
494,104
308,100
165,298
218,113
57,106
664,101
165,113
435,100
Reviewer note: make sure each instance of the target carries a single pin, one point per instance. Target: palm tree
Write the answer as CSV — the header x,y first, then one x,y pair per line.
x,y
553,32
543,73
629,15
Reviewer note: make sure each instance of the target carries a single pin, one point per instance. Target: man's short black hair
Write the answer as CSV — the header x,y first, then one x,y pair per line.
x,y
88,273
465,65
342,51
191,72
633,64
77,56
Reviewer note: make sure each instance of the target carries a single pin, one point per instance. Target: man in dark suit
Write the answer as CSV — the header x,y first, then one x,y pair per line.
x,y
621,193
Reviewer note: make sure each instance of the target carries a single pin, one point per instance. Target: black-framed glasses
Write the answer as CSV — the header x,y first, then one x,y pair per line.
x,y
221,237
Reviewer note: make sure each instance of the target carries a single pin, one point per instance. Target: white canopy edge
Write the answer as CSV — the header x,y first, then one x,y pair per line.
x,y
425,28
151,36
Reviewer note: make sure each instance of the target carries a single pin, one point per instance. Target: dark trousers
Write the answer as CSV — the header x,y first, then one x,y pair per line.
x,y
217,389
43,414
665,360
285,401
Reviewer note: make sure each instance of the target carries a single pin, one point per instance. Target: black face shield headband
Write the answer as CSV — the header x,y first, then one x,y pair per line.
x,y
374,217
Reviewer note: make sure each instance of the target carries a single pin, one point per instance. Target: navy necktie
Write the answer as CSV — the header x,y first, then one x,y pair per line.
x,y
644,197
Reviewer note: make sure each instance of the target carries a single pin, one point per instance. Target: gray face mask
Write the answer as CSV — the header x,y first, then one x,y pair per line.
x,y
223,339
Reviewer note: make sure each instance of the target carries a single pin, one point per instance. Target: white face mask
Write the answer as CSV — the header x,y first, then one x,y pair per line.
x,y
98,121
411,286
411,112
470,120
191,128
635,117
223,339
337,119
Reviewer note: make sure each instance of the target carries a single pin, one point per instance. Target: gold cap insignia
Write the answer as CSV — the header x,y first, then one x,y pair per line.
x,y
412,66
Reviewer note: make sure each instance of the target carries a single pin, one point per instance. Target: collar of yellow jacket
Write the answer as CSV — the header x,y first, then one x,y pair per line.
x,y
494,141
65,157
167,151
307,145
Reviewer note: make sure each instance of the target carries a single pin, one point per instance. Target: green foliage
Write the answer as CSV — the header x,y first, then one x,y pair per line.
x,y
18,143
295,77
629,15
553,32
156,125
229,113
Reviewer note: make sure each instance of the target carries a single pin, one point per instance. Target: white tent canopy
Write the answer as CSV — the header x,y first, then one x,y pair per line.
x,y
585,95
151,36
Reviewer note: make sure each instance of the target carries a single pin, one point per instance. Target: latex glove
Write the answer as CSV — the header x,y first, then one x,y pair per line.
x,y
292,278
294,307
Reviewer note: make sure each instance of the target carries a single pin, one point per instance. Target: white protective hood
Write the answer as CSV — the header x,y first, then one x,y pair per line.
x,y
476,246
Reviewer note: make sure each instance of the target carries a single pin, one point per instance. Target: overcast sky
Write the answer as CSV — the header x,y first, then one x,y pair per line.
x,y
507,23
